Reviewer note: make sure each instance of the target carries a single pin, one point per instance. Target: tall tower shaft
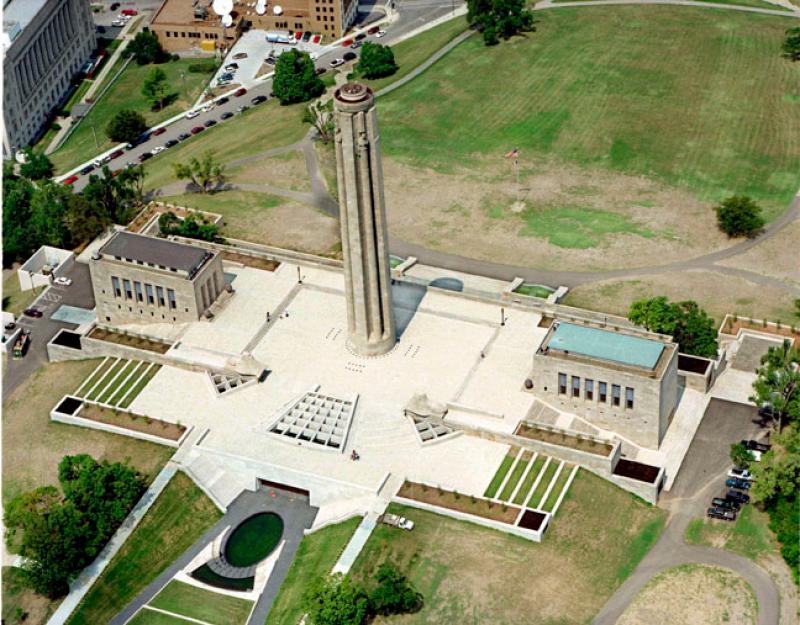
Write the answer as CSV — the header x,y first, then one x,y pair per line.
x,y
370,318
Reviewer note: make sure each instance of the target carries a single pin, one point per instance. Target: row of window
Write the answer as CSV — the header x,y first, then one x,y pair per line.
x,y
152,294
141,262
574,390
176,34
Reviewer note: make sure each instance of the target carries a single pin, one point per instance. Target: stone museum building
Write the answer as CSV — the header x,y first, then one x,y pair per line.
x,y
620,380
141,279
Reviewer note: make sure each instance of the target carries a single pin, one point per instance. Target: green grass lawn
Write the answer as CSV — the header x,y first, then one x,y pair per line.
x,y
535,290
140,382
151,617
126,94
112,388
522,494
744,3
652,90
749,535
87,385
514,478
505,465
95,393
557,488
543,483
175,521
15,300
315,557
471,574
204,605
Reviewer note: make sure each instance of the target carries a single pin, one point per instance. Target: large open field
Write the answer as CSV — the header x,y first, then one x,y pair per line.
x,y
470,574
631,123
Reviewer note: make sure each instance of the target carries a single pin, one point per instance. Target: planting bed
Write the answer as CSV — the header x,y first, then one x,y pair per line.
x,y
461,503
636,471
532,520
129,341
251,261
732,327
135,423
565,440
254,539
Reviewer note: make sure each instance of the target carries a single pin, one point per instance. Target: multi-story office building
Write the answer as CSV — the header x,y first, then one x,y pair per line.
x,y
141,279
620,380
45,43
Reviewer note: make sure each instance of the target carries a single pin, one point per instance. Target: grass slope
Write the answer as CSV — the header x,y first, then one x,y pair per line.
x,y
471,574
749,535
175,521
15,300
151,617
204,605
693,97
759,4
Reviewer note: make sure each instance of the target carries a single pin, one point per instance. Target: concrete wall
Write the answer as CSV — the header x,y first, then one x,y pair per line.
x,y
30,274
648,492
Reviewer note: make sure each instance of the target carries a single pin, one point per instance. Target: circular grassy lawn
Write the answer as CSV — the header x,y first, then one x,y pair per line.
x,y
254,539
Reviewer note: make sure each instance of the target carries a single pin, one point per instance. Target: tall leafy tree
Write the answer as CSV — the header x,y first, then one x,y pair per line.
x,y
146,48
499,18
689,325
18,239
335,600
36,166
126,126
376,61
791,45
778,384
85,220
394,594
155,88
205,172
113,195
739,216
320,115
295,78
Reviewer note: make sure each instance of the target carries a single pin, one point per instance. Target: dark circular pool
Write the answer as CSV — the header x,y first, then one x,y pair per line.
x,y
254,539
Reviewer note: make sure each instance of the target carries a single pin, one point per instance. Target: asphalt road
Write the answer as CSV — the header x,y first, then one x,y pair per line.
x,y
411,15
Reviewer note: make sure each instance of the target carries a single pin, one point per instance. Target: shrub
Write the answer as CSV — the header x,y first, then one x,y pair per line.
x,y
394,593
377,61
739,216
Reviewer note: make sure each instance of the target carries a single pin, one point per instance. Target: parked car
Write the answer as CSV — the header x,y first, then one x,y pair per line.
x,y
130,164
116,154
373,30
307,35
720,513
32,312
742,474
243,108
100,29
114,6
144,137
756,446
733,482
346,42
231,67
258,99
739,497
320,70
159,131
210,122
270,60
191,114
197,129
240,92
349,56
118,23
355,45
145,156
336,62
360,37
63,281
183,136
397,521
226,115
208,107
87,169
158,149
130,12
222,100
239,56
171,143
380,33
725,504
70,179
225,78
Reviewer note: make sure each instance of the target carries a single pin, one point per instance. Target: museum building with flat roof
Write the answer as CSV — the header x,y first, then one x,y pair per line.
x,y
618,379
141,279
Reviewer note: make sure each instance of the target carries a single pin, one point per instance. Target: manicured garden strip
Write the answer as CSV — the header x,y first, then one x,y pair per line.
x,y
180,515
529,480
533,502
111,389
552,498
516,476
87,386
106,379
212,607
127,380
140,384
491,490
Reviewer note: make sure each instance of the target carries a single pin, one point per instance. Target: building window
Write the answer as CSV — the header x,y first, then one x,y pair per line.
x,y
602,391
589,392
126,284
629,398
615,394
562,383
160,296
137,288
115,285
171,297
576,386
148,288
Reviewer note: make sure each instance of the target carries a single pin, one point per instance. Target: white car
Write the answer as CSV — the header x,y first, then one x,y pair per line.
x,y
742,474
158,150
207,108
336,62
118,23
380,33
191,114
63,281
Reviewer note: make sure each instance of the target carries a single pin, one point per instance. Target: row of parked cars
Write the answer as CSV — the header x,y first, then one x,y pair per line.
x,y
354,44
738,482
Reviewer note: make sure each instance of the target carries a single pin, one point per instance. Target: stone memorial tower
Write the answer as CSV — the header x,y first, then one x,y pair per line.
x,y
370,318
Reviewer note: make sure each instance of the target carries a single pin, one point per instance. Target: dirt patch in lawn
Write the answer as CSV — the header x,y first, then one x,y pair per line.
x,y
775,256
22,606
135,423
693,595
287,171
572,217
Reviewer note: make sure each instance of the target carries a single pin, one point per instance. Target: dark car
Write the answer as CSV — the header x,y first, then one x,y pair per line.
x,y
197,129
32,312
100,29
116,154
719,513
733,482
373,30
756,446
145,136
87,169
735,495
171,143
240,55
349,56
114,6
230,67
355,45
240,92
320,70
258,99
725,504
226,77
159,131
226,115
183,136
307,35
222,100
145,156
270,60
360,37
210,122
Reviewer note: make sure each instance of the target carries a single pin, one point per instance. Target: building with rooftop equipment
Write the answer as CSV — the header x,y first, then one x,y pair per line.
x,y
140,279
45,43
618,379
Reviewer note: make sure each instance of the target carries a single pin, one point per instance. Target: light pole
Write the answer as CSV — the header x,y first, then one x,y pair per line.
x,y
94,134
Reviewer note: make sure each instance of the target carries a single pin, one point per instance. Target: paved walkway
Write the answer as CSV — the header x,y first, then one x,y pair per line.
x,y
549,4
356,544
89,575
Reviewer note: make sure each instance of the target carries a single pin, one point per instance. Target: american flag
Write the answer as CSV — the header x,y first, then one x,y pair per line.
x,y
513,153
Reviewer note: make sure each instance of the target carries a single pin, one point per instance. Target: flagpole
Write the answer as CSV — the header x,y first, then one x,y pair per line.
x,y
516,167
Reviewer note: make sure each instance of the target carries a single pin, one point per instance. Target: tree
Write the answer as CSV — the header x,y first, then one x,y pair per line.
x,y
126,126
85,220
377,61
689,325
740,455
394,593
335,600
791,46
146,49
295,78
778,384
37,166
739,216
499,18
114,195
797,308
320,116
190,227
205,172
155,88
132,179
18,239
